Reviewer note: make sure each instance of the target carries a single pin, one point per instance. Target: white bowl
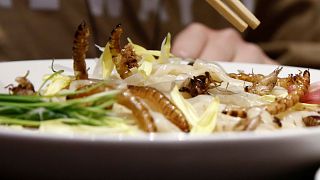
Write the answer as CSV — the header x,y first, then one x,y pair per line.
x,y
248,155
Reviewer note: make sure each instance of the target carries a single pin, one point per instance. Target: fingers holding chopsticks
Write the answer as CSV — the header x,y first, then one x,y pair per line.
x,y
243,13
236,13
199,41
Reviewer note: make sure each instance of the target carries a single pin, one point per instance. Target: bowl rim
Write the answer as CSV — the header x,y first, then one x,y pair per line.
x,y
166,137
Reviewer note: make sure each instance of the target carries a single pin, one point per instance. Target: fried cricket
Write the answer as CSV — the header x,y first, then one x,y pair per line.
x,y
299,85
24,87
198,85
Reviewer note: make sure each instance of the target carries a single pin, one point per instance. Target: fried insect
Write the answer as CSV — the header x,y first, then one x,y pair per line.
x,y
282,82
139,111
79,49
236,112
124,59
25,87
299,84
93,89
277,121
265,85
198,85
246,77
311,121
115,40
162,104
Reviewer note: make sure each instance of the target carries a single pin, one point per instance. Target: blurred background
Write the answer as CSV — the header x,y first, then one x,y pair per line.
x,y
44,29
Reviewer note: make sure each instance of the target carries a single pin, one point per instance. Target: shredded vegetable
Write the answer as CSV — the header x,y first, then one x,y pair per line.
x,y
107,63
200,124
23,110
58,82
165,49
207,122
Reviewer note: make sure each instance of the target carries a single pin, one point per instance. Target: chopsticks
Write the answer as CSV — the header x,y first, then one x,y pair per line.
x,y
236,13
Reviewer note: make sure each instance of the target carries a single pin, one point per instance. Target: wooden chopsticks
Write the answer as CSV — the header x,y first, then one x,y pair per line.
x,y
236,13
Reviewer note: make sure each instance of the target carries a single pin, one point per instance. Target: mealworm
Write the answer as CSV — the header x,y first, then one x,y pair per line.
x,y
139,111
124,59
162,104
311,121
79,49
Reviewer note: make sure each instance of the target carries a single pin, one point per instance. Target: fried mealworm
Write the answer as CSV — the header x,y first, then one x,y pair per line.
x,y
162,104
79,49
139,111
311,121
301,83
124,59
246,77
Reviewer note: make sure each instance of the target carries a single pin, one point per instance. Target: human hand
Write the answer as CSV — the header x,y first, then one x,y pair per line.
x,y
199,41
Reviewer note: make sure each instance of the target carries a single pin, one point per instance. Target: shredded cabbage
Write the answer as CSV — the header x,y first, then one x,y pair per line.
x,y
306,106
186,108
139,50
208,120
204,124
165,49
58,82
268,98
145,66
107,62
